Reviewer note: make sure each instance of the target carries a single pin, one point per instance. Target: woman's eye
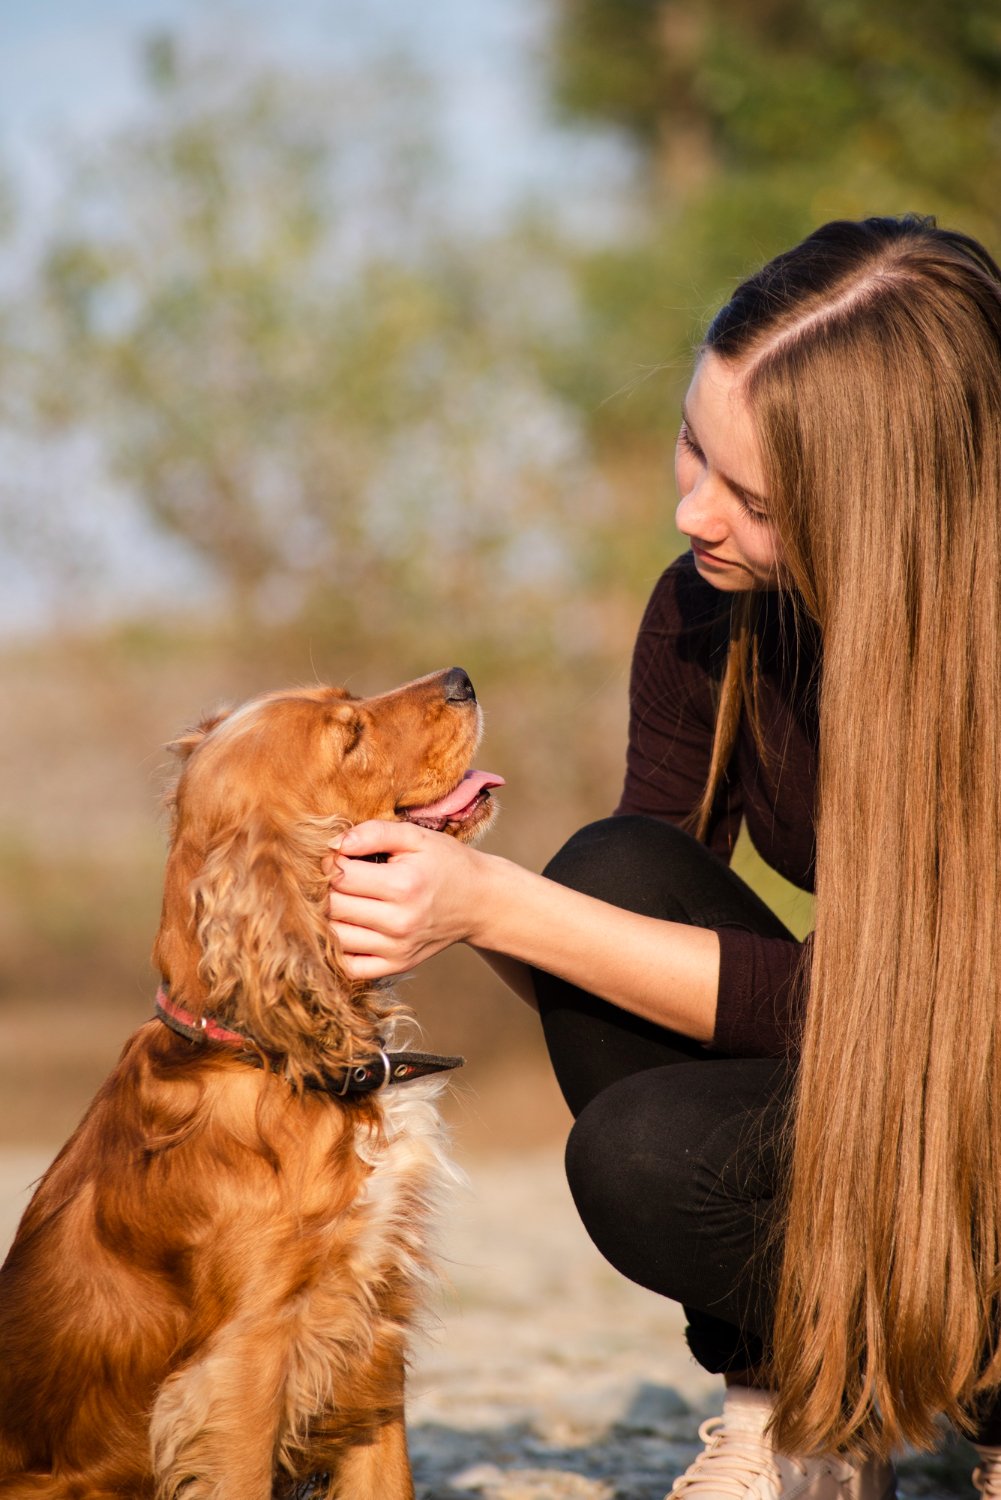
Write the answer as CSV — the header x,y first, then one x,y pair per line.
x,y
750,511
688,442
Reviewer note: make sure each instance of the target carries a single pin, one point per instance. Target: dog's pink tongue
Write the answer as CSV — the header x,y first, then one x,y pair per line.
x,y
469,787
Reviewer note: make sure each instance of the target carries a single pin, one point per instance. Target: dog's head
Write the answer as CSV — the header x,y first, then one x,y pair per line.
x,y
244,933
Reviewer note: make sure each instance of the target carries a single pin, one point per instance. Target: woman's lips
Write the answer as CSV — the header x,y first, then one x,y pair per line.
x,y
710,557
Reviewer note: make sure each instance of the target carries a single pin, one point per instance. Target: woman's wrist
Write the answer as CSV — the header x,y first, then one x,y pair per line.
x,y
488,883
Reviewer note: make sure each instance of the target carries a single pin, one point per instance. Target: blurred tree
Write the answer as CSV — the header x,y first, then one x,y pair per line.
x,y
757,120
254,304
908,91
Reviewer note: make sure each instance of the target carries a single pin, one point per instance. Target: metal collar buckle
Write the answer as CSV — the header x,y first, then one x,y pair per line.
x,y
360,1074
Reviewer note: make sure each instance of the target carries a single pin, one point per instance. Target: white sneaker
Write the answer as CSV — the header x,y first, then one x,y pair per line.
x,y
740,1463
987,1474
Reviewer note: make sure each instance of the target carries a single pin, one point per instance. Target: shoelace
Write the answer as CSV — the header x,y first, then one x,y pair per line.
x,y
733,1458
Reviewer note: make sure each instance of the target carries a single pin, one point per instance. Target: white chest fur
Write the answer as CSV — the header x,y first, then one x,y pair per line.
x,y
381,1272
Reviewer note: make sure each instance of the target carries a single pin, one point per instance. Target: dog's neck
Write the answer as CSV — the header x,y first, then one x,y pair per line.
x,y
356,1078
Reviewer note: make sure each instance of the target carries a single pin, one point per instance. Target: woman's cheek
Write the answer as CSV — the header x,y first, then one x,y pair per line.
x,y
766,555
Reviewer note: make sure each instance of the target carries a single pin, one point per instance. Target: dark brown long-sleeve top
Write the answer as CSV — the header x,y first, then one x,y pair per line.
x,y
677,665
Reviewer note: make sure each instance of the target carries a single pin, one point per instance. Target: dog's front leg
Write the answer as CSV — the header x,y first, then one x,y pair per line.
x,y
362,1444
378,1469
215,1422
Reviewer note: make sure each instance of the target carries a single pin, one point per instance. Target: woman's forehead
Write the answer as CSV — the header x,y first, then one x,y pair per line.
x,y
716,409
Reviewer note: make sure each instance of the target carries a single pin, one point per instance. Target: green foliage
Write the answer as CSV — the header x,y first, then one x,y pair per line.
x,y
739,85
757,120
603,63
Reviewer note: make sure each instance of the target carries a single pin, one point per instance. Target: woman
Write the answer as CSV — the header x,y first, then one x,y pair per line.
x,y
800,1144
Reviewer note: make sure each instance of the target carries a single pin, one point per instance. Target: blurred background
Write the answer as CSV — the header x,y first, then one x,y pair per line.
x,y
346,342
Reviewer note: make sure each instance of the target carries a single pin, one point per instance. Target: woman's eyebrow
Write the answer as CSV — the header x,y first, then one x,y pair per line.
x,y
731,484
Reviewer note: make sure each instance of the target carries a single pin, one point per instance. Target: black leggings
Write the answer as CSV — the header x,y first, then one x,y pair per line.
x,y
672,1161
675,1155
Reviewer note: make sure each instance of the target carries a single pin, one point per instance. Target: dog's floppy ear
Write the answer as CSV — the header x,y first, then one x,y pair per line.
x,y
175,949
267,960
174,952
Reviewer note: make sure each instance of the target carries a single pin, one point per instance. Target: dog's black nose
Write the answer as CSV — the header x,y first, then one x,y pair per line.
x,y
458,688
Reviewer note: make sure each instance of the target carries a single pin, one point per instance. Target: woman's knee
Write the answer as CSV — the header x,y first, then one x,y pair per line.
x,y
673,1169
634,1183
627,861
651,867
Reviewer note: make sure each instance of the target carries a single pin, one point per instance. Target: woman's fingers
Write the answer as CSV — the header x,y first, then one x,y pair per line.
x,y
356,877
364,966
350,871
368,954
398,912
379,837
370,917
362,912
357,941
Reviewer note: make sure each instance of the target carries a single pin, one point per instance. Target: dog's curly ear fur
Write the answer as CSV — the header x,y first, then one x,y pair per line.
x,y
256,927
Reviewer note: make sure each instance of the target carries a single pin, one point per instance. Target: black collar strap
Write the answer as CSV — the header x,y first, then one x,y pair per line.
x,y
364,1077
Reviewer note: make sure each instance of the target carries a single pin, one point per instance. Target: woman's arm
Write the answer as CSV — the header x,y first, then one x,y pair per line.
x,y
434,892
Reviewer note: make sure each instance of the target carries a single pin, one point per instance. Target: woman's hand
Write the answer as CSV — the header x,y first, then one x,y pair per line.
x,y
435,891
389,917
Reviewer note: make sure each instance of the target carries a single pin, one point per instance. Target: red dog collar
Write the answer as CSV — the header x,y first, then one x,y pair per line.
x,y
363,1077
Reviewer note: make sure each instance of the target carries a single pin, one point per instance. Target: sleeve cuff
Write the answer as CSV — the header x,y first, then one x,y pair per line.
x,y
760,1004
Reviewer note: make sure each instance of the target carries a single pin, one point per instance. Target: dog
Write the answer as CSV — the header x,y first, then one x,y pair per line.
x,y
210,1292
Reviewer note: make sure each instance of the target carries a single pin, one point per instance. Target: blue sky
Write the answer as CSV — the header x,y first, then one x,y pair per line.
x,y
68,74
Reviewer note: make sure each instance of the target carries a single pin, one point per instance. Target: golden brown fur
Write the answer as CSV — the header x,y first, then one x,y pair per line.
x,y
210,1292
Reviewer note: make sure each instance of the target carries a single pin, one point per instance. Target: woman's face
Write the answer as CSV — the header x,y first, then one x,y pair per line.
x,y
723,507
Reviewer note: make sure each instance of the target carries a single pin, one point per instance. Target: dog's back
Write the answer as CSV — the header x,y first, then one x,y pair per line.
x,y
86,1324
201,1256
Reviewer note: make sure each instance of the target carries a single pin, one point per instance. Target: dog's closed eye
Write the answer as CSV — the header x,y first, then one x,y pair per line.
x,y
351,726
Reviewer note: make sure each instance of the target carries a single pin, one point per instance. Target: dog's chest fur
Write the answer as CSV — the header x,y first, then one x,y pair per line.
x,y
364,1269
374,1289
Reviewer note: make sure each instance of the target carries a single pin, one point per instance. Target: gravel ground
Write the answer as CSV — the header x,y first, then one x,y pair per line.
x,y
548,1377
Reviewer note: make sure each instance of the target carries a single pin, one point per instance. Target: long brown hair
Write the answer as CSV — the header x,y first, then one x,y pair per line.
x,y
870,357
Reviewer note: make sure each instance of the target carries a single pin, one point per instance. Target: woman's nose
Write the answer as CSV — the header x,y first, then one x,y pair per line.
x,y
697,515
